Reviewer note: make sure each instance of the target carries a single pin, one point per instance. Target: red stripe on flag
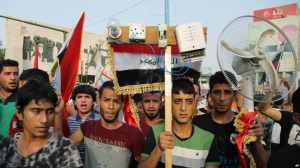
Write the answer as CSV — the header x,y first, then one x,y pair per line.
x,y
69,61
142,48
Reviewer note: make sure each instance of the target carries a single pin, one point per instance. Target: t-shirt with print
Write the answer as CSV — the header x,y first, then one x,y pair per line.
x,y
193,152
225,139
111,148
74,123
58,152
286,133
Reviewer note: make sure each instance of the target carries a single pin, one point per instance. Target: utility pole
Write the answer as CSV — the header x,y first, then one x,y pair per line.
x,y
167,12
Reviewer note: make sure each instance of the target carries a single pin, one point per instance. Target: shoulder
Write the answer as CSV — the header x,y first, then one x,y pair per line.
x,y
6,144
203,134
199,118
90,123
7,148
204,121
131,130
60,141
12,98
64,144
158,127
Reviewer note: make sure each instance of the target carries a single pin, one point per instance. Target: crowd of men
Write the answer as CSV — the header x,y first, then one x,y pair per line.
x,y
33,132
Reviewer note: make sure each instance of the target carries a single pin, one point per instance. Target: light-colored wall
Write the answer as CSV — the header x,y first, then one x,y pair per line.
x,y
15,32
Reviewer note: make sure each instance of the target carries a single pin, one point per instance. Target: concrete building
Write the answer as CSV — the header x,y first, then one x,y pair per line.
x,y
21,39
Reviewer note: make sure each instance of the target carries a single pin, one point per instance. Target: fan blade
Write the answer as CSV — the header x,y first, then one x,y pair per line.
x,y
262,38
241,66
270,71
238,52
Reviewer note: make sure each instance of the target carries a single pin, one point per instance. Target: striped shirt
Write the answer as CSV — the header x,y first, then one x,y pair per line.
x,y
193,152
74,123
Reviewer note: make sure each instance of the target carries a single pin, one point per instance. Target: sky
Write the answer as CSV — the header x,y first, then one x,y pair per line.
x,y
214,14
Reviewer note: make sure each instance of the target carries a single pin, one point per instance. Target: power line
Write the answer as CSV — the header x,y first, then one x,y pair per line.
x,y
117,13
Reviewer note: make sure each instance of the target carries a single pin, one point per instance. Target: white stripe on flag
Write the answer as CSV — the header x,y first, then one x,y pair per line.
x,y
129,61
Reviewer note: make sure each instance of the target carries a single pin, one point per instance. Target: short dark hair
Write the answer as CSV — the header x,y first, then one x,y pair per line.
x,y
107,85
35,90
184,85
219,78
8,62
186,72
34,74
137,97
87,89
296,100
151,92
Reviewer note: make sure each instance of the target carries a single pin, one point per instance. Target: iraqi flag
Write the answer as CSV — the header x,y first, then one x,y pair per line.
x,y
69,58
139,68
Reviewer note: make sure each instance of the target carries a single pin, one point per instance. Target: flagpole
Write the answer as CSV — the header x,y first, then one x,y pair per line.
x,y
168,89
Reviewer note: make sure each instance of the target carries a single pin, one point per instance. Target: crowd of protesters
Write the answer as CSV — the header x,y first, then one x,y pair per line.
x,y
34,133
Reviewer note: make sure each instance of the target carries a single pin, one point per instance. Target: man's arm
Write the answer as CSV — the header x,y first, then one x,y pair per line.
x,y
77,137
212,160
259,153
166,141
152,160
266,109
58,121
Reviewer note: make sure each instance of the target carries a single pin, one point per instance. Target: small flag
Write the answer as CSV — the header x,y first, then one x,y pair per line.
x,y
36,57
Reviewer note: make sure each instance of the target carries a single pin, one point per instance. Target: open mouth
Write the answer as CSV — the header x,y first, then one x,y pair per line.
x,y
83,105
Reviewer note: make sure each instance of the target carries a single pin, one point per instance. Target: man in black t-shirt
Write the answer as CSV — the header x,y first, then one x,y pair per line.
x,y
286,157
287,152
220,122
289,122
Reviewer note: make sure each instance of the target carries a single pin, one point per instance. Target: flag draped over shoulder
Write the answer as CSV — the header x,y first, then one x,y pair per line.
x,y
69,58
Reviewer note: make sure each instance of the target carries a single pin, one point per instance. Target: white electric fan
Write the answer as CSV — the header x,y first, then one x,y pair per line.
x,y
260,55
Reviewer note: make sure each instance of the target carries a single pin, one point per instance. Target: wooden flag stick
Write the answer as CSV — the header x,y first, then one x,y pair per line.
x,y
168,102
